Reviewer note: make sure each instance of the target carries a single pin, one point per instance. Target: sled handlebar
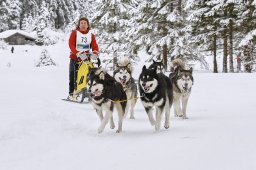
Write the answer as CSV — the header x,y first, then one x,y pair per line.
x,y
84,55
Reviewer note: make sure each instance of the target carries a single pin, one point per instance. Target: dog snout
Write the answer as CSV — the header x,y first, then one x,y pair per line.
x,y
185,86
124,77
89,90
143,84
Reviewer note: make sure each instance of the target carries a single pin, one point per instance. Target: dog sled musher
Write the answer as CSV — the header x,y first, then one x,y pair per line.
x,y
86,61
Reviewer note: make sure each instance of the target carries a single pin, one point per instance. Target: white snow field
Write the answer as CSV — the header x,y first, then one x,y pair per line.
x,y
39,131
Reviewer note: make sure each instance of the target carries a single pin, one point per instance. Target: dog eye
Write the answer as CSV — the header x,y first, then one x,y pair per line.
x,y
94,84
150,79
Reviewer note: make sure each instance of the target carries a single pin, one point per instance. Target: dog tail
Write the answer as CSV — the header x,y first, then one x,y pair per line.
x,y
125,62
177,62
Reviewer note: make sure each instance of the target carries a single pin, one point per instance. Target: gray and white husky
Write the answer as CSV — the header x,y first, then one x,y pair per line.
x,y
123,75
156,92
159,65
106,94
182,80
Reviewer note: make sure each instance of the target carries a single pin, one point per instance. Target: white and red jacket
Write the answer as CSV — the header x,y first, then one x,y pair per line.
x,y
82,41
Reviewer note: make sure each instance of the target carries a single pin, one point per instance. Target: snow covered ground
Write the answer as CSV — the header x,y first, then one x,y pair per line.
x,y
38,131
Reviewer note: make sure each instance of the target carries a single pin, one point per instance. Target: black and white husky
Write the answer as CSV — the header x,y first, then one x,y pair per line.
x,y
182,80
156,91
123,74
106,94
159,65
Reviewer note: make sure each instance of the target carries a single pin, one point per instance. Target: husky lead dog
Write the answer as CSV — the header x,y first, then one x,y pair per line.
x,y
182,80
106,94
123,74
159,66
156,91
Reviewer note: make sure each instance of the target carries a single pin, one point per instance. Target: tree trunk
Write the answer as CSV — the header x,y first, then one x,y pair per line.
x,y
180,7
225,47
172,7
165,52
231,64
215,66
247,59
172,42
225,51
114,61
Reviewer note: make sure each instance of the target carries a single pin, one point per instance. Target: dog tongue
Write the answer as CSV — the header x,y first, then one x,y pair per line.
x,y
97,93
123,82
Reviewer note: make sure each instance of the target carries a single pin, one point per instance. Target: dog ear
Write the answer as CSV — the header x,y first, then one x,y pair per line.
x,y
101,75
177,70
191,70
144,68
129,66
155,69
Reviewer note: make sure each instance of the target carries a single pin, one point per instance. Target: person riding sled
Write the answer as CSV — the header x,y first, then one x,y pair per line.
x,y
83,47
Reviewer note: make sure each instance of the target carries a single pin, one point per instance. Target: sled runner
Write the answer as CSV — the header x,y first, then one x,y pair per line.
x,y
77,101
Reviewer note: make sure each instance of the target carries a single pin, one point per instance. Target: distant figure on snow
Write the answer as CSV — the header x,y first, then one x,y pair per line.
x,y
238,60
12,49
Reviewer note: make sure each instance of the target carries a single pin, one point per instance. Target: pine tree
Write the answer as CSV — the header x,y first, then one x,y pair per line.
x,y
205,26
232,29
183,46
45,59
15,20
247,23
28,23
43,21
112,20
163,32
226,11
4,16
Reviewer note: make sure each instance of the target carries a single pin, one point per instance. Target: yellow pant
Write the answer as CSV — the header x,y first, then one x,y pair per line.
x,y
83,70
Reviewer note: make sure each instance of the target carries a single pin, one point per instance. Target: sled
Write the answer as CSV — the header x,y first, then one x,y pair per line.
x,y
83,70
80,92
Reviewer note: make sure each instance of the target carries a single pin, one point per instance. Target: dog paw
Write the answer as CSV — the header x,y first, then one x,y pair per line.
x,y
112,125
132,117
184,117
152,123
157,128
166,126
118,131
100,130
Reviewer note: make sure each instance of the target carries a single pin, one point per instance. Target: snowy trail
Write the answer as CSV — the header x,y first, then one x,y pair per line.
x,y
39,131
